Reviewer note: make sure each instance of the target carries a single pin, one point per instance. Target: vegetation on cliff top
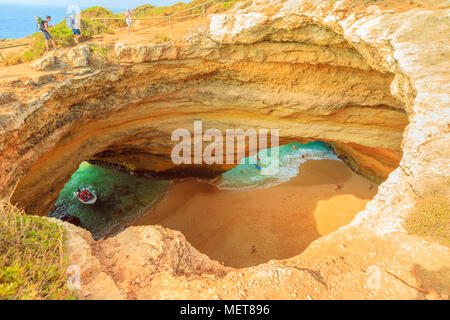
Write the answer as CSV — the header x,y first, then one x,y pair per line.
x,y
89,27
100,12
148,10
430,217
64,37
32,262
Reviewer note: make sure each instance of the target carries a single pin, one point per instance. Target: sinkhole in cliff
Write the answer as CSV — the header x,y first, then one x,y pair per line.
x,y
308,89
242,218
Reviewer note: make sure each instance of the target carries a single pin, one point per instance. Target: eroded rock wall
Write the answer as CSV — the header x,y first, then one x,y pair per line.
x,y
290,73
354,79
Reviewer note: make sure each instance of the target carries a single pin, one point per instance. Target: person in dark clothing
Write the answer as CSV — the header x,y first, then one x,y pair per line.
x,y
47,34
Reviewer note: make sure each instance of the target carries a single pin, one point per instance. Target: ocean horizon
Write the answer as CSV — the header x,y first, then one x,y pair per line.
x,y
18,20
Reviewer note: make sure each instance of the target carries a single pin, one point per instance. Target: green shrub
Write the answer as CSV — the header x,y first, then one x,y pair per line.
x,y
147,10
99,50
37,47
143,11
64,36
30,55
96,12
100,12
224,5
32,262
228,4
90,28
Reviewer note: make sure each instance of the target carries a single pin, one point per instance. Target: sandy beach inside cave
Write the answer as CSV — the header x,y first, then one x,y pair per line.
x,y
246,228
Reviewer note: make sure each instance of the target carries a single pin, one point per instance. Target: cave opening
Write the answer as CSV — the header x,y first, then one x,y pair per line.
x,y
312,89
240,218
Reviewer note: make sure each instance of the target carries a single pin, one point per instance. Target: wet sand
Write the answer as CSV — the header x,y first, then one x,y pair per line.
x,y
246,228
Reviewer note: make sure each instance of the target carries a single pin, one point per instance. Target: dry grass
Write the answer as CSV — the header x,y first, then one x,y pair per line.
x,y
160,38
32,262
430,217
100,56
12,59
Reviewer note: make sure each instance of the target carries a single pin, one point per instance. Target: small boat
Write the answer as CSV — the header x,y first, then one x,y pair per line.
x,y
85,196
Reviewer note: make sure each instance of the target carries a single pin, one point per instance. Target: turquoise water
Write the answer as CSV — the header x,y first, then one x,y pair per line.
x,y
121,198
273,172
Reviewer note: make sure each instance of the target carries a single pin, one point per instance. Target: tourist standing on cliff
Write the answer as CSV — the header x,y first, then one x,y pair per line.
x,y
47,34
76,29
129,22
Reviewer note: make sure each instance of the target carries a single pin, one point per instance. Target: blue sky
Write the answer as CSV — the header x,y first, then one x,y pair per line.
x,y
91,3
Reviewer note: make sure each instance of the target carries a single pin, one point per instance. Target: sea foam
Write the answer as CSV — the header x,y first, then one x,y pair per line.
x,y
248,176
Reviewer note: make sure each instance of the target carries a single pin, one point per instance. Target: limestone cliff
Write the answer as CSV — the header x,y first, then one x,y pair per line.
x,y
282,72
371,83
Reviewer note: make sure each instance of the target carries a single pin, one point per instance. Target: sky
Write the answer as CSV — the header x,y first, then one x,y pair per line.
x,y
92,3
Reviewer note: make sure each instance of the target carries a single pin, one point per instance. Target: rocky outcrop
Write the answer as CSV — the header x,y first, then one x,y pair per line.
x,y
372,83
130,265
73,58
156,263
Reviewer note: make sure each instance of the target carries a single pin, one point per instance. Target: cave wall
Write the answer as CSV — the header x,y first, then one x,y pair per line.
x,y
306,80
410,45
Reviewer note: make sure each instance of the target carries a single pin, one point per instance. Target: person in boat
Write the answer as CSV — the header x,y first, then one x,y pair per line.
x,y
84,194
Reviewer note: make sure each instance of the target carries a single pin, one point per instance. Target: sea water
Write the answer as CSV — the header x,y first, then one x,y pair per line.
x,y
121,198
18,20
288,159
